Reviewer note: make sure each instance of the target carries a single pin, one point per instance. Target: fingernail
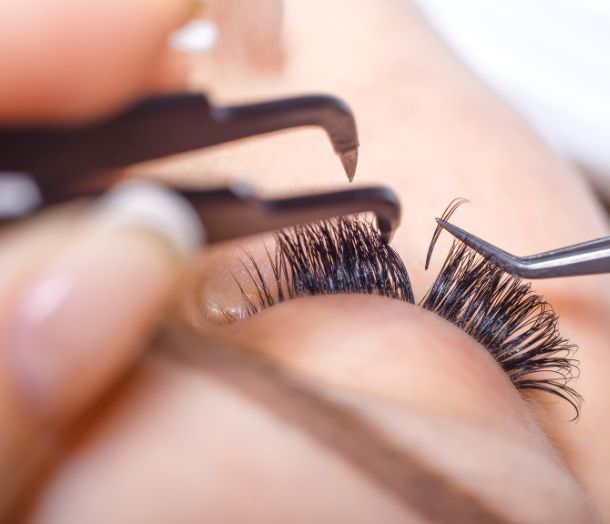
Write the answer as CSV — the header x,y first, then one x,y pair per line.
x,y
85,318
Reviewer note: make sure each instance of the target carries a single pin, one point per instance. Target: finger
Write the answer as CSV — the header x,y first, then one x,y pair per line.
x,y
171,74
24,249
70,328
66,60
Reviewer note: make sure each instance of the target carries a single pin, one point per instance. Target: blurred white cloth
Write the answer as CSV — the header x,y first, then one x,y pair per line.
x,y
550,59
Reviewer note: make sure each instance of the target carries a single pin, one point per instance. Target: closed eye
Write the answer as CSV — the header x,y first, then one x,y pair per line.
x,y
501,312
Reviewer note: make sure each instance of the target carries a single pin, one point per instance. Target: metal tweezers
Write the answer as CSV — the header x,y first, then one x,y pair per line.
x,y
65,163
586,258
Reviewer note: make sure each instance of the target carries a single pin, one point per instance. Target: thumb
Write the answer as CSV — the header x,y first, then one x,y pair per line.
x,y
74,60
71,328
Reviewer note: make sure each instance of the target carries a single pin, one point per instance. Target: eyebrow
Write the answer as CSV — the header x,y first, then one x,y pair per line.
x,y
343,431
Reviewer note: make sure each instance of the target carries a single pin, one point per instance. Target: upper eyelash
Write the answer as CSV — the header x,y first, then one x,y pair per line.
x,y
518,327
502,313
343,256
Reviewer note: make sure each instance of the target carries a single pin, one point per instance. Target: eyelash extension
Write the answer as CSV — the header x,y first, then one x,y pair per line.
x,y
449,210
346,255
500,311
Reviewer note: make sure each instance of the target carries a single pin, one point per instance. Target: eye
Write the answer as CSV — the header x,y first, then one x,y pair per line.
x,y
501,312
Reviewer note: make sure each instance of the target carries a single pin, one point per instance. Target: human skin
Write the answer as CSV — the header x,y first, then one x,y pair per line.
x,y
175,443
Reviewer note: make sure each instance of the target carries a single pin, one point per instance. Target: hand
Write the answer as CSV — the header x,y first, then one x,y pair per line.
x,y
80,290
69,60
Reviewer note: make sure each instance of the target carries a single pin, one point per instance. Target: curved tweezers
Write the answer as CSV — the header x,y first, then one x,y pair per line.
x,y
163,126
234,212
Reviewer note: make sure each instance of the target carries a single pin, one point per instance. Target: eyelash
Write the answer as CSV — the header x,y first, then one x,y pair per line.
x,y
344,256
501,312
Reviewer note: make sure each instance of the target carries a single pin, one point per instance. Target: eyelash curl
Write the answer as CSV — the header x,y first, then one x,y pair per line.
x,y
343,256
500,311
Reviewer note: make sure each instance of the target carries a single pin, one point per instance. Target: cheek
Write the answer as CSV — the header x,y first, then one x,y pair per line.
x,y
385,348
179,446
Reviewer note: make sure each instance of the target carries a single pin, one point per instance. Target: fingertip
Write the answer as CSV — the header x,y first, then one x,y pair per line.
x,y
71,61
171,73
82,320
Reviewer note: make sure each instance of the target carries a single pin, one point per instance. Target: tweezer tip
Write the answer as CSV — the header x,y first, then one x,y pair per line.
x,y
386,236
482,247
349,159
457,232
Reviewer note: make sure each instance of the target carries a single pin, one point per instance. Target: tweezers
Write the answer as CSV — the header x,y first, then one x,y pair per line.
x,y
167,125
46,166
586,258
234,212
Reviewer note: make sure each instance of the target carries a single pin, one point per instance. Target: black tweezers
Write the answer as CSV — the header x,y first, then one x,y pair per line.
x,y
69,162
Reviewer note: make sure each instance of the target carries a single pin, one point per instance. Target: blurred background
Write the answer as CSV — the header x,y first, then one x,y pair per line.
x,y
549,59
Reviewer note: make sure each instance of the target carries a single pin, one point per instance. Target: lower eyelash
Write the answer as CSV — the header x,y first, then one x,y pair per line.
x,y
518,327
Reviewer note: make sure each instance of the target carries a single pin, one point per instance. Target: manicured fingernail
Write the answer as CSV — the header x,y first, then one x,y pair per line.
x,y
85,318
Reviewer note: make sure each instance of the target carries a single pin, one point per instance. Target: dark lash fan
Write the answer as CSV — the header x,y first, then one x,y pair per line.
x,y
326,258
501,312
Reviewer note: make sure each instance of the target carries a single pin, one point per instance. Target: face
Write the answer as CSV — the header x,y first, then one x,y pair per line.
x,y
192,443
